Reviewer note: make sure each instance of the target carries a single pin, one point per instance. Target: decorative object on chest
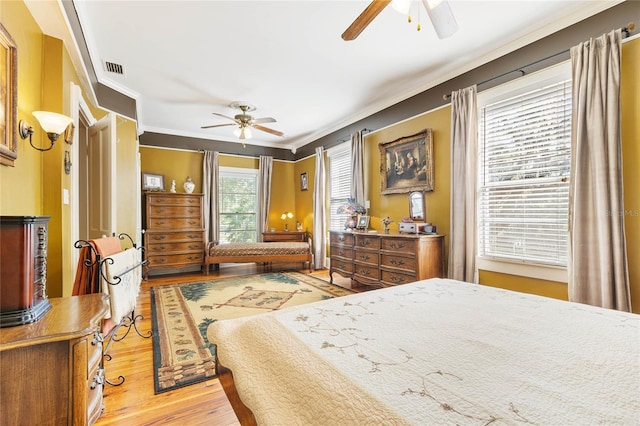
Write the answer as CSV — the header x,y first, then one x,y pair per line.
x,y
23,269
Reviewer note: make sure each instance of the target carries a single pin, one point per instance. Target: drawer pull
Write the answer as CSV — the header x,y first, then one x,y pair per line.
x,y
397,279
193,222
341,252
396,262
364,257
97,338
98,379
341,238
365,272
397,245
365,243
158,238
194,246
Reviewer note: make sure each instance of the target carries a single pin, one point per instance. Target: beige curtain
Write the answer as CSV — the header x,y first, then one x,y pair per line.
x,y
463,223
210,177
319,212
357,168
598,271
265,168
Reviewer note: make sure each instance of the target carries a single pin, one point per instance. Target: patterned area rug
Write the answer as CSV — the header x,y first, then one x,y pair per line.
x,y
181,314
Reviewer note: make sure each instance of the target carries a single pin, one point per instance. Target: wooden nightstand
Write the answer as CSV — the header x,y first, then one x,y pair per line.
x,y
269,237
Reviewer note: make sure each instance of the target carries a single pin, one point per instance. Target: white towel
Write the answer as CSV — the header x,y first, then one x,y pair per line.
x,y
122,296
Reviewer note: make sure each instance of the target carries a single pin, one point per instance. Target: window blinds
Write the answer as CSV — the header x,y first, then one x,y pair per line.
x,y
339,183
523,176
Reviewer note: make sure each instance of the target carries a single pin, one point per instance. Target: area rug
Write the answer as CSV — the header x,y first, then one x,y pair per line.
x,y
181,313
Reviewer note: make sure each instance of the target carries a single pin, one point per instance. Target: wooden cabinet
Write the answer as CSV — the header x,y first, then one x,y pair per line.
x,y
384,260
174,232
51,369
269,237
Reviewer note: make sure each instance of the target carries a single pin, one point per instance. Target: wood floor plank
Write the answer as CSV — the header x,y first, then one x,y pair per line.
x,y
134,402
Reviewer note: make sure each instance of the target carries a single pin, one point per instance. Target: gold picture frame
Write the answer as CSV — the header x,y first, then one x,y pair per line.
x,y
8,98
406,164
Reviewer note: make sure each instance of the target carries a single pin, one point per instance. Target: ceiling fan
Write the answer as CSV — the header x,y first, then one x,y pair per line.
x,y
245,121
439,13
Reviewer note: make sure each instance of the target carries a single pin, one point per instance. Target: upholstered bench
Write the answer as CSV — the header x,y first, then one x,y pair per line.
x,y
286,251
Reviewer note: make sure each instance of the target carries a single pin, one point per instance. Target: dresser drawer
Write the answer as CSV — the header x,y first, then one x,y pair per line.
x,y
402,245
370,272
174,200
371,242
152,237
175,211
343,252
344,239
174,260
341,266
407,263
366,256
174,248
396,278
172,223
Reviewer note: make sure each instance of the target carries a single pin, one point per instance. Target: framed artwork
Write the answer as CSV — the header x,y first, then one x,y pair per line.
x,y
363,222
406,164
152,182
304,184
8,98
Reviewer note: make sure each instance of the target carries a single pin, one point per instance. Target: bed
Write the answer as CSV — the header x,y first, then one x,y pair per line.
x,y
281,251
433,352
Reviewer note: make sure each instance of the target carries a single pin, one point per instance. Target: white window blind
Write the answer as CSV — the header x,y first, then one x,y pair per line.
x,y
339,183
238,205
523,181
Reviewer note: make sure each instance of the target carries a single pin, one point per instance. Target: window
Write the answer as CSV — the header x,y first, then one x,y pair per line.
x,y
524,162
238,205
339,183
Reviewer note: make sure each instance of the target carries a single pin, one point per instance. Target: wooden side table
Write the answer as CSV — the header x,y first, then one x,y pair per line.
x,y
51,369
269,237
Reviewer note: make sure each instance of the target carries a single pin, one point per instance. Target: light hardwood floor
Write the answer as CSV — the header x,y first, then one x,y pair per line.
x,y
134,402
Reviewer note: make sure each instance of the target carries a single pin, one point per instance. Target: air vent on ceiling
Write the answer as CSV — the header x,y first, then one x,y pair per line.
x,y
113,67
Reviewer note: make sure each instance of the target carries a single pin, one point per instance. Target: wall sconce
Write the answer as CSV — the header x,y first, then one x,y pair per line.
x,y
286,216
52,123
67,162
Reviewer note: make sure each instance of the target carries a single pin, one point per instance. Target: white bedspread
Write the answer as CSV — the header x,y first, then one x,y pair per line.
x,y
436,352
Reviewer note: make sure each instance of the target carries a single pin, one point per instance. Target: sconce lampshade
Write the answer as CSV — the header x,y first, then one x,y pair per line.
x,y
52,122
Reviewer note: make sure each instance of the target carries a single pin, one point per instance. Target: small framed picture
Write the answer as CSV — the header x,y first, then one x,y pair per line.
x,y
363,222
304,184
152,182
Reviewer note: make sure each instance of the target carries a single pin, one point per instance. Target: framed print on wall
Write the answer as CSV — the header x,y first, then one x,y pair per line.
x,y
406,164
8,98
152,182
304,184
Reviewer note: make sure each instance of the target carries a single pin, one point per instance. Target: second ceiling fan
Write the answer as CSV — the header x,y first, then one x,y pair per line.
x,y
245,121
439,13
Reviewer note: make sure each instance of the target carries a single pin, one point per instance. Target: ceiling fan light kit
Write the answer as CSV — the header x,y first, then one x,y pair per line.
x,y
439,13
245,121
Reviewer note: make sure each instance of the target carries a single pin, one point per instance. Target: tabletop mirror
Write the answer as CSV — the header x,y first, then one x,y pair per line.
x,y
416,206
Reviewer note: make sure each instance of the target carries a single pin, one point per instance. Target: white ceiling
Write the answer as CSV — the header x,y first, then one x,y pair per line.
x,y
184,60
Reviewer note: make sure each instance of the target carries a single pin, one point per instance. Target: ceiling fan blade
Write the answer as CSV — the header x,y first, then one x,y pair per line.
x,y
224,116
263,120
365,18
442,18
268,130
218,125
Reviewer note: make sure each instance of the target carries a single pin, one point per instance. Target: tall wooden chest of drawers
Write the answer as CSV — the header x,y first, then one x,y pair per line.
x,y
384,260
174,232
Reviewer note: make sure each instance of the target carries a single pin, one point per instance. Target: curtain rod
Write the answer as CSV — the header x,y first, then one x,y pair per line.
x,y
626,30
365,130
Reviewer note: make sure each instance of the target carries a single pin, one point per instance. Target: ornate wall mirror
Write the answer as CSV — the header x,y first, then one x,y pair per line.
x,y
416,206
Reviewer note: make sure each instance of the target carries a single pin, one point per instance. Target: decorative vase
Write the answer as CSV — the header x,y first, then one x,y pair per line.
x,y
386,229
189,185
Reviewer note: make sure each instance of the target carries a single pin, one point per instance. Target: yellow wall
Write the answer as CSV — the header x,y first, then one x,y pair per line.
x,y
304,199
630,105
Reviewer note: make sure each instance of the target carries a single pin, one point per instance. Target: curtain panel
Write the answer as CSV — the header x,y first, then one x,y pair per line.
x,y
597,266
264,194
319,212
463,222
210,184
357,168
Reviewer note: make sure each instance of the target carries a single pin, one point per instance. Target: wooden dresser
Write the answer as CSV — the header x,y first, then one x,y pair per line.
x,y
51,369
384,260
174,232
